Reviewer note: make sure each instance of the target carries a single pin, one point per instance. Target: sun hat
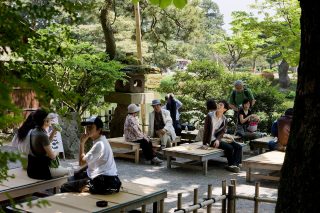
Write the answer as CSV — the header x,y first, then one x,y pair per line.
x,y
93,120
133,108
155,102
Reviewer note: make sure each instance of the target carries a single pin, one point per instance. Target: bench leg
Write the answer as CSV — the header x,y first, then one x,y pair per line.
x,y
248,175
205,167
162,206
143,209
136,156
169,158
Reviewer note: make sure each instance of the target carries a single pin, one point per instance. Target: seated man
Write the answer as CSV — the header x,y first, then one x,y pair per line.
x,y
133,133
214,128
283,125
160,124
100,174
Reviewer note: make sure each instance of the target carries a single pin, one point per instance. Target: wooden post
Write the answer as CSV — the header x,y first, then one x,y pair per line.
x,y
143,117
179,203
231,199
209,197
224,192
256,195
138,30
162,206
143,209
234,182
195,199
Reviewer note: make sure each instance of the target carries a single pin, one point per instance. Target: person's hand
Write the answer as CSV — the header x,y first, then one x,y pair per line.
x,y
161,132
216,144
84,137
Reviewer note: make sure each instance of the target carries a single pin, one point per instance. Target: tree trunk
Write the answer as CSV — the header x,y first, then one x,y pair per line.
x,y
107,29
284,79
299,189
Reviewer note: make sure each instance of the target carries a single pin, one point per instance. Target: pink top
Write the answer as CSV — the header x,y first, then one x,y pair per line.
x,y
132,131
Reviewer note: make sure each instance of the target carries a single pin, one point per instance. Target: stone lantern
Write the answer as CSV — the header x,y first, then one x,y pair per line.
x,y
127,92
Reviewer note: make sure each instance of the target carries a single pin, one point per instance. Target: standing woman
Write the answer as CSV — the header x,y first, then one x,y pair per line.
x,y
41,153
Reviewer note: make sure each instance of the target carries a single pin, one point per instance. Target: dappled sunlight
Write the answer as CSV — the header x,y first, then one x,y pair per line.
x,y
149,181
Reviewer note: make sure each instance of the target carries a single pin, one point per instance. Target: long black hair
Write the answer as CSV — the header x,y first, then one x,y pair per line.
x,y
39,116
27,125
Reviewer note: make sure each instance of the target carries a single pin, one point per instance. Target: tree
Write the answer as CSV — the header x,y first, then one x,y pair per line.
x,y
299,183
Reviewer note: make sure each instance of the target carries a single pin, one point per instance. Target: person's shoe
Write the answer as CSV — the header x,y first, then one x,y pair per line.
x,y
156,160
233,168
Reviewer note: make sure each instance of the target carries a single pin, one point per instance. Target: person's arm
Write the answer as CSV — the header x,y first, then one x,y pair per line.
x,y
244,120
83,139
52,134
232,105
167,120
50,153
207,131
178,104
251,97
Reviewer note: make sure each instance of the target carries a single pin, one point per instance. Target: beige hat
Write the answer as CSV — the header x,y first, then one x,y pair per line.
x,y
133,108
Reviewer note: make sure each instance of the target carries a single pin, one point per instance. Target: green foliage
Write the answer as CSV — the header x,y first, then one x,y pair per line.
x,y
207,79
67,73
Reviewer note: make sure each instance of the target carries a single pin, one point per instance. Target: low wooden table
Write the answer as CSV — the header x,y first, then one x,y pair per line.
x,y
124,149
23,185
261,143
131,196
192,152
267,161
189,136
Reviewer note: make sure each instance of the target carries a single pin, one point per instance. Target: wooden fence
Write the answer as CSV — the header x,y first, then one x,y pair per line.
x,y
228,199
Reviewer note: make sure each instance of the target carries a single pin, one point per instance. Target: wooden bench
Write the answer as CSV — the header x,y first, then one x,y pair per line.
x,y
23,185
124,149
267,161
130,150
130,197
261,143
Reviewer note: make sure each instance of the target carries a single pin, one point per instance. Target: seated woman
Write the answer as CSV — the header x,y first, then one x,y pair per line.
x,y
41,156
247,123
133,133
22,137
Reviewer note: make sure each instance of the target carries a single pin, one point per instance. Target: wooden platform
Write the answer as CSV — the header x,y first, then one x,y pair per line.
x,y
269,161
124,149
131,196
261,143
192,152
23,185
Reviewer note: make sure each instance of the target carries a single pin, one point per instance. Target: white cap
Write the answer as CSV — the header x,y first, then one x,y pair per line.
x,y
133,108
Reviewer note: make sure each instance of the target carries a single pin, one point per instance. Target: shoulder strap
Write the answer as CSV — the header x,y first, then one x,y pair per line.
x,y
31,147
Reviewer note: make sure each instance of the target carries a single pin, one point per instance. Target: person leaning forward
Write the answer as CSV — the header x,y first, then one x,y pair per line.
x,y
99,172
161,125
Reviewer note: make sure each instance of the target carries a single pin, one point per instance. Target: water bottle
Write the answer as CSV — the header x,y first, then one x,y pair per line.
x,y
186,128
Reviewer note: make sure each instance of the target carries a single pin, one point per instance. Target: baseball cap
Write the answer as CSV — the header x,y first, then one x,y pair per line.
x,y
93,120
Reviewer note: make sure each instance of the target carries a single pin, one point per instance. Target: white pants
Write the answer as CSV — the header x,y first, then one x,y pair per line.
x,y
166,140
59,172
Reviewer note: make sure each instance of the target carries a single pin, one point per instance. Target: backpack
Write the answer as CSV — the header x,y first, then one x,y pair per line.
x,y
246,93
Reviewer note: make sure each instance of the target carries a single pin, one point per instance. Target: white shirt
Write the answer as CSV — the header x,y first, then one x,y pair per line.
x,y
216,123
100,159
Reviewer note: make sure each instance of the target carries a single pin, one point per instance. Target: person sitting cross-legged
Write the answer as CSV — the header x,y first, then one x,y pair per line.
x,y
214,128
161,125
133,133
99,173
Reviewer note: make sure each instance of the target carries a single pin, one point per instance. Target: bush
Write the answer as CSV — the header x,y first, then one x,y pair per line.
x,y
207,79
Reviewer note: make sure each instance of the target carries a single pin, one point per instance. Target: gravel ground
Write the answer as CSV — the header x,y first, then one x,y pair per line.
x,y
184,180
